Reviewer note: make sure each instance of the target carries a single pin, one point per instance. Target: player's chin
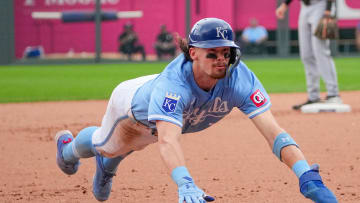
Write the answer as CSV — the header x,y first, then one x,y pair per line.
x,y
219,74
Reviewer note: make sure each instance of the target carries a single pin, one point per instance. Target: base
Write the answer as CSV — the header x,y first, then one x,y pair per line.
x,y
325,107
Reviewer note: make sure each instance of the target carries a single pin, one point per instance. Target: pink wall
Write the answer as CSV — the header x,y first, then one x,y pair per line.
x,y
58,37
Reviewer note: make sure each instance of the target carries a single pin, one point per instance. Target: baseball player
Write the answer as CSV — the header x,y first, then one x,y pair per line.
x,y
314,52
196,90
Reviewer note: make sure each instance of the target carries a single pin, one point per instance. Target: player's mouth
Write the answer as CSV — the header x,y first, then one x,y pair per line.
x,y
220,66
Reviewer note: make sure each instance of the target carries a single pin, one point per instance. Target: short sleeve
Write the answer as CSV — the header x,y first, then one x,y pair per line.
x,y
252,96
167,103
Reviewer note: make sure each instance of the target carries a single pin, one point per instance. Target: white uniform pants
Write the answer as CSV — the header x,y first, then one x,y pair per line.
x,y
119,132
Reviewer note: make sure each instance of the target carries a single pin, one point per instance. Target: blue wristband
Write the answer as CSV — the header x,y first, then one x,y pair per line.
x,y
281,141
181,175
300,167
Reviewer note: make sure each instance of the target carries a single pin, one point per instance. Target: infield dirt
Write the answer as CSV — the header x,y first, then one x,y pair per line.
x,y
230,160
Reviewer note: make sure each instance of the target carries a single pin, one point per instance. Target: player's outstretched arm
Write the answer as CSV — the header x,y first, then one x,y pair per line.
x,y
286,149
173,157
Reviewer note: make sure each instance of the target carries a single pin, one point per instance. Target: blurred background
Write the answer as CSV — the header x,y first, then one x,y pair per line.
x,y
93,30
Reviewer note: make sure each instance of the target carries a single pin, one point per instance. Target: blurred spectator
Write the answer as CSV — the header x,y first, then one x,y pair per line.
x,y
128,42
165,43
253,38
33,52
358,36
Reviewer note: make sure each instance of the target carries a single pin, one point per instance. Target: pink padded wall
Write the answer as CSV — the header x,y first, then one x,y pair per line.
x,y
58,37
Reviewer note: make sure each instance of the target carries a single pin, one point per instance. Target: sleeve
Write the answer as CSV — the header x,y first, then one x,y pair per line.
x,y
264,31
167,103
245,32
254,99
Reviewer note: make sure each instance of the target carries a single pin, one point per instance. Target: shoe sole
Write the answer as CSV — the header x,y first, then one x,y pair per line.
x,y
57,137
61,133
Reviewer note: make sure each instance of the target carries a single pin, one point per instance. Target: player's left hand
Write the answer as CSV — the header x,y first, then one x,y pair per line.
x,y
190,193
312,187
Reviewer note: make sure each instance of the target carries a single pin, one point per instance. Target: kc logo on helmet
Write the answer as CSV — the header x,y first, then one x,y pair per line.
x,y
258,98
221,31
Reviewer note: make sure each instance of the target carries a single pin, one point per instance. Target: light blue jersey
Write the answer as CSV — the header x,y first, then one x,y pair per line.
x,y
175,97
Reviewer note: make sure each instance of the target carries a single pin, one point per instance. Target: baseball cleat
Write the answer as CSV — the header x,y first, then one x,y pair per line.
x,y
102,181
63,138
298,106
333,100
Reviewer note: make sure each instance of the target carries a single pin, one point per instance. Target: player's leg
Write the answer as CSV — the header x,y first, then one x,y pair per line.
x,y
116,138
70,150
307,56
322,53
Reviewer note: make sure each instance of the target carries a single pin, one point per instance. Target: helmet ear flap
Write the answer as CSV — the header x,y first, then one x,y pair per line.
x,y
234,55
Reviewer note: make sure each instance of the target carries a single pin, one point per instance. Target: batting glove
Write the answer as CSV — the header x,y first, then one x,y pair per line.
x,y
312,187
188,191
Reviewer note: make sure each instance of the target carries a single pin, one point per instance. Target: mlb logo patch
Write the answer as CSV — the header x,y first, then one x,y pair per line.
x,y
170,101
258,98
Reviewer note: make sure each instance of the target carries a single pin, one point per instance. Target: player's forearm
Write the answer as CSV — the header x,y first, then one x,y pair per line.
x,y
290,155
171,153
169,145
286,149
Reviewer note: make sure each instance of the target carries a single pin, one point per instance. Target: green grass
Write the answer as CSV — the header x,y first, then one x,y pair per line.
x,y
66,82
288,75
28,83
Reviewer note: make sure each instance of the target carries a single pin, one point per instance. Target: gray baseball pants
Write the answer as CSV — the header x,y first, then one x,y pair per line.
x,y
315,53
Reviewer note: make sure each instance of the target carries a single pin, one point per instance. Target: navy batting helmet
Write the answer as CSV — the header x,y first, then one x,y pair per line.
x,y
211,33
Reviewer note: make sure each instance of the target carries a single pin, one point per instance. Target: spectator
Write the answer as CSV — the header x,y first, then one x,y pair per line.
x,y
128,42
165,43
253,38
358,37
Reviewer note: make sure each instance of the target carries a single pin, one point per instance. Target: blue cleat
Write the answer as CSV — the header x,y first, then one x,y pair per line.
x,y
62,138
102,181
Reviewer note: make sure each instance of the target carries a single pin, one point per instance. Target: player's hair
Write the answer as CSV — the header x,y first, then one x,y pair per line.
x,y
184,46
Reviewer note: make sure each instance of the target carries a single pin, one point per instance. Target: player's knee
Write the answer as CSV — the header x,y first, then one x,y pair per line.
x,y
307,58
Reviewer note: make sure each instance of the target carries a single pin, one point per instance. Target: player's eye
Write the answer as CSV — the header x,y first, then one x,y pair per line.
x,y
211,56
214,56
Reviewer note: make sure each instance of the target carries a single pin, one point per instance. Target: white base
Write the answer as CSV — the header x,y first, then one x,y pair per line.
x,y
325,107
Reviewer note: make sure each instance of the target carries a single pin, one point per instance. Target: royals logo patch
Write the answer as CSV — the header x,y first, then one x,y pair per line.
x,y
170,101
258,98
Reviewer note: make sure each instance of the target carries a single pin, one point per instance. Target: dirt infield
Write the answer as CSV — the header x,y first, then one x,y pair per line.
x,y
230,160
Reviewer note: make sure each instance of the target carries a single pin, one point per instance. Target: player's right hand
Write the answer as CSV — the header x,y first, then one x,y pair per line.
x,y
190,193
312,187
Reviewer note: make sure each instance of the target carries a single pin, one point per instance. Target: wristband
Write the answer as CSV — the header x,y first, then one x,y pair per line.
x,y
300,167
181,175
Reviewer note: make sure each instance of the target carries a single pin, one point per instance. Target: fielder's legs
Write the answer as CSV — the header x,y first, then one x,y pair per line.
x,y
322,53
308,56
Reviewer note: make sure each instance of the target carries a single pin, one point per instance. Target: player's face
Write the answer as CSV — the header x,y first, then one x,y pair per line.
x,y
213,61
